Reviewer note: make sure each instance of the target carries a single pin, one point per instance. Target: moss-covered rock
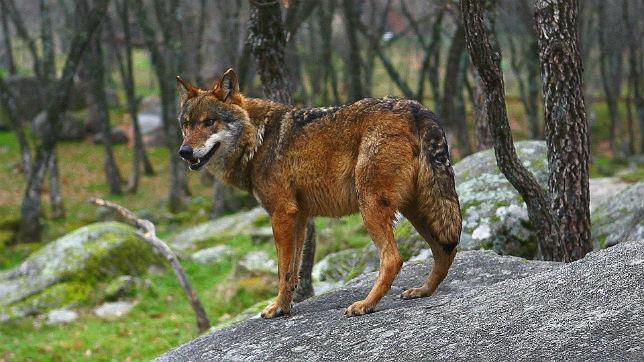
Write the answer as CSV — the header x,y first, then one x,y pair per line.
x,y
65,271
494,214
620,218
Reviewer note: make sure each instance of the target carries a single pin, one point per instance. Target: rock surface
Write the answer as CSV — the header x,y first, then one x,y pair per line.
x,y
256,262
64,271
490,307
60,316
113,309
494,215
240,223
619,218
212,255
71,127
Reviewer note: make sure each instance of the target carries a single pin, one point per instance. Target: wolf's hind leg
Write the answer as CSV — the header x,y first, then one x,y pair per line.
x,y
378,221
442,234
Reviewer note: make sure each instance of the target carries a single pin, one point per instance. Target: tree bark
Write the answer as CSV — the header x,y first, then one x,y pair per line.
x,y
126,71
30,225
635,65
97,72
610,61
566,124
55,199
327,10
481,124
524,64
487,61
453,86
6,39
266,37
166,58
353,60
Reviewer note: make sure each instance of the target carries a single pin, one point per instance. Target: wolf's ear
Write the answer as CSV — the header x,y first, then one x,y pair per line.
x,y
185,89
227,90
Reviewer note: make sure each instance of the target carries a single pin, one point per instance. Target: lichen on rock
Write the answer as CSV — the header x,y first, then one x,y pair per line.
x,y
64,272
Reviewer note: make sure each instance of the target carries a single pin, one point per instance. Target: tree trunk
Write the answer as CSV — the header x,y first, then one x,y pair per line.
x,y
97,71
126,71
266,36
610,60
353,60
166,59
486,59
267,39
55,200
30,212
10,64
635,68
566,125
326,31
481,127
453,86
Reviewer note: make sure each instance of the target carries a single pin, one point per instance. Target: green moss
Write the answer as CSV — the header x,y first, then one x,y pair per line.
x,y
356,271
57,296
113,254
403,230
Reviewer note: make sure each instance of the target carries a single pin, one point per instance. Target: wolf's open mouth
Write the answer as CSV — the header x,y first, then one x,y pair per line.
x,y
197,163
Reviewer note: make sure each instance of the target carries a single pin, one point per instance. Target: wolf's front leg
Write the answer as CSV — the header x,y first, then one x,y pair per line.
x,y
283,221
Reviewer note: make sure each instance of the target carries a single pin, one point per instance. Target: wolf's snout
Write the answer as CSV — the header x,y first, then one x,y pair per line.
x,y
185,152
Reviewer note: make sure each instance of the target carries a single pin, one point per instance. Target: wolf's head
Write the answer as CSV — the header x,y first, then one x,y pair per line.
x,y
216,129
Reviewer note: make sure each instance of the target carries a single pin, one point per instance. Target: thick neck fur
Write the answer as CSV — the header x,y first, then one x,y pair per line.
x,y
260,112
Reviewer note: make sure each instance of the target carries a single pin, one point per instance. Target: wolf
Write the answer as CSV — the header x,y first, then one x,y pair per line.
x,y
377,156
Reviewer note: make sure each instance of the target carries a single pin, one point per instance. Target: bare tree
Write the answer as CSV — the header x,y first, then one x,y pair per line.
x,y
486,59
167,58
453,113
326,11
10,63
524,53
96,67
267,37
353,59
126,70
636,67
611,65
30,224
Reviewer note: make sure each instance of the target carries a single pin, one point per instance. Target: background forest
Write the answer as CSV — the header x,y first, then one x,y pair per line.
x,y
75,75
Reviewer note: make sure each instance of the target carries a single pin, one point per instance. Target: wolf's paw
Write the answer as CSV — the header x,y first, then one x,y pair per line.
x,y
359,308
274,310
415,293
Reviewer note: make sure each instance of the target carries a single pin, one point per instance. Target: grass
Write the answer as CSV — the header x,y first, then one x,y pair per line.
x,y
162,319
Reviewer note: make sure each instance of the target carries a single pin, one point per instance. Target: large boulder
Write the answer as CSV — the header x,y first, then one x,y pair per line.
x,y
490,307
71,126
619,218
30,100
64,272
247,222
335,269
150,123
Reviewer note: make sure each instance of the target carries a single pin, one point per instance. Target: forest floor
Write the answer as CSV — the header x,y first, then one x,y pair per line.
x,y
162,318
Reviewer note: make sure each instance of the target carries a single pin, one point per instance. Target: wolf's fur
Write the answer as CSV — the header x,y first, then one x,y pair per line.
x,y
375,156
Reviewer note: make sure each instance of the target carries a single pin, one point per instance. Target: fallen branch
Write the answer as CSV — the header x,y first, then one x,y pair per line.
x,y
149,235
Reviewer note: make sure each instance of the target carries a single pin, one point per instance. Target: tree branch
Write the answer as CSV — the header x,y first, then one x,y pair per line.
x,y
149,235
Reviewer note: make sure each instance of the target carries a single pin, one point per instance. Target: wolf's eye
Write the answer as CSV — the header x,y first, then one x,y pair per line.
x,y
209,122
